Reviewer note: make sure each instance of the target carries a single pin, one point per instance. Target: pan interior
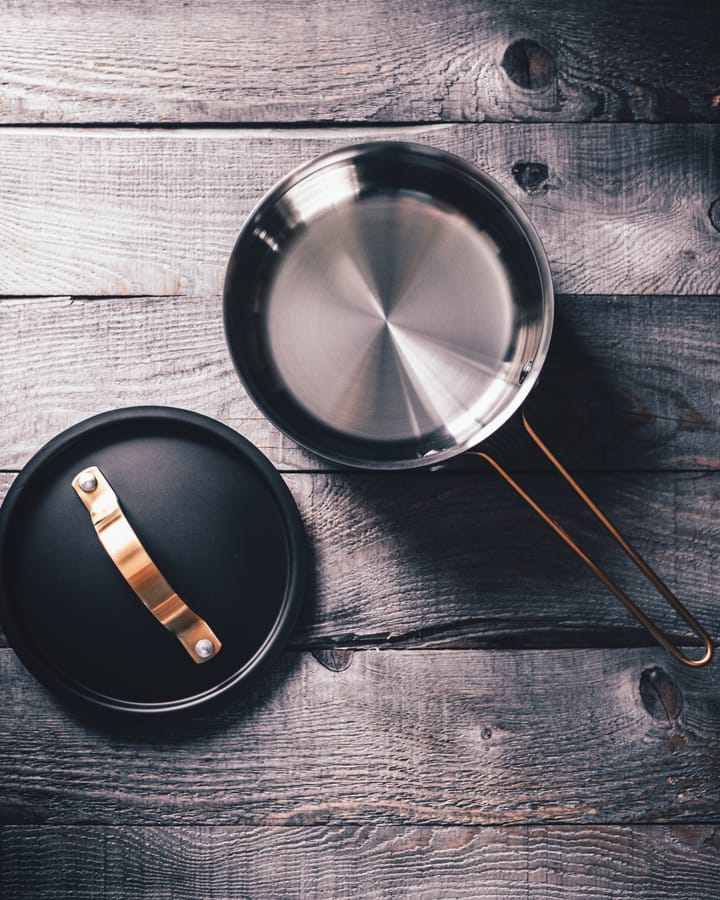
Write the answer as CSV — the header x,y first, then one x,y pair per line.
x,y
390,311
391,319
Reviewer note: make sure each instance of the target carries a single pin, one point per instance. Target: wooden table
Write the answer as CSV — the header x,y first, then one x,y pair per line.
x,y
463,710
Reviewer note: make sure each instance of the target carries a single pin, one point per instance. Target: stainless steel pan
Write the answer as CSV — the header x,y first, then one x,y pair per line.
x,y
390,306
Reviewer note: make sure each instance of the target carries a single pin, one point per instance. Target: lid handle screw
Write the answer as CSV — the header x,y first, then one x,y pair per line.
x,y
204,648
87,482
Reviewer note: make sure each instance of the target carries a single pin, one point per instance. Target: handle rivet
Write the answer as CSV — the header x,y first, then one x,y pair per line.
x,y
87,482
204,648
525,370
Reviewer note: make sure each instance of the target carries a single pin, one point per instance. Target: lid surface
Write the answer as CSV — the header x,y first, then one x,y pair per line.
x,y
214,516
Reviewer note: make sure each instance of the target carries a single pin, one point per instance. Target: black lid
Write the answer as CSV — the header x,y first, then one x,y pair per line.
x,y
214,516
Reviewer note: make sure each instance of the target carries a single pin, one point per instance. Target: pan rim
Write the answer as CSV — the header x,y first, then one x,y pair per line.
x,y
446,159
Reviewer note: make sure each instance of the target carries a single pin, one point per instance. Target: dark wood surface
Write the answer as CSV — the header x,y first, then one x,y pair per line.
x,y
455,559
370,861
157,211
631,383
462,711
382,60
391,737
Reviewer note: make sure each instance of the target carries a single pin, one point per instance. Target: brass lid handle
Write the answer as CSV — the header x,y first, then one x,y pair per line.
x,y
132,560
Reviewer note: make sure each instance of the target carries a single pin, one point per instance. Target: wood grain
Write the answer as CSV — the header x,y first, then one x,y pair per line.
x,y
396,737
623,209
426,770
630,382
650,862
460,561
457,560
422,61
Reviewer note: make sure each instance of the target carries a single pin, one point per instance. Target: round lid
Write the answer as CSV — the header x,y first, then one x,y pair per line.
x,y
113,512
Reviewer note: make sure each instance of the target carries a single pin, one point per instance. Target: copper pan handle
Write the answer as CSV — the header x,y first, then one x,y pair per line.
x,y
657,583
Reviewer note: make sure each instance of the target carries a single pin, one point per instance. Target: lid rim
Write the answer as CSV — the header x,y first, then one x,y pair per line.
x,y
71,690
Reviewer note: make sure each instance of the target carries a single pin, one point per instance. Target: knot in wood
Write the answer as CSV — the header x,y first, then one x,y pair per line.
x,y
529,65
531,176
334,659
714,213
660,694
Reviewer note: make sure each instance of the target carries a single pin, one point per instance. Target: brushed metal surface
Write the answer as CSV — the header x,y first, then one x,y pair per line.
x,y
383,305
378,324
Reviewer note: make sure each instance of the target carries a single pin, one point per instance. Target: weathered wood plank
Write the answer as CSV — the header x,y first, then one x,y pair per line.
x,y
650,862
620,209
272,61
460,561
630,382
398,737
457,561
